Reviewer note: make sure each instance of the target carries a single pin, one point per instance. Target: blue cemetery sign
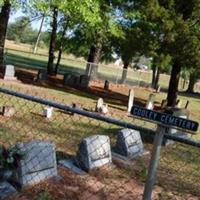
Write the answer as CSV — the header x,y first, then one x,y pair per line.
x,y
164,118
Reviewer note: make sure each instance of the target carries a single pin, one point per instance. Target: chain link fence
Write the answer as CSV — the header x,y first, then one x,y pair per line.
x,y
51,150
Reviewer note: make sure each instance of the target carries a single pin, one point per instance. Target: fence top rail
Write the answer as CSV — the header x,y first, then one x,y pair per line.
x,y
97,116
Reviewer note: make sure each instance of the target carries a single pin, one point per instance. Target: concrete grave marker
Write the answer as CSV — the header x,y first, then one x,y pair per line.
x,y
130,100
129,143
48,111
150,102
94,151
38,163
8,111
9,73
6,190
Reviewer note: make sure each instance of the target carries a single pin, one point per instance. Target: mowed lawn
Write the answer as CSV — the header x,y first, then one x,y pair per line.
x,y
67,130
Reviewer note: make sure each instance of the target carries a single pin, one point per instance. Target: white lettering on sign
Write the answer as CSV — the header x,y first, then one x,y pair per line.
x,y
164,118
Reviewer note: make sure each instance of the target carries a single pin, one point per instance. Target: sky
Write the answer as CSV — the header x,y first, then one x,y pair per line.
x,y
35,24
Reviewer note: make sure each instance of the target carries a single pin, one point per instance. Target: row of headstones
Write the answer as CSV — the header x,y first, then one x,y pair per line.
x,y
68,79
39,157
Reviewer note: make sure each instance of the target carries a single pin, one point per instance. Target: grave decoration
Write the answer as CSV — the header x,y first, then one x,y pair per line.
x,y
101,107
38,163
9,73
129,143
94,152
9,159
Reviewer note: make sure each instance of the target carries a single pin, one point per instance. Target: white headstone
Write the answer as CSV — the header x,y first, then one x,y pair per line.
x,y
99,104
94,151
48,111
38,162
150,102
9,73
130,100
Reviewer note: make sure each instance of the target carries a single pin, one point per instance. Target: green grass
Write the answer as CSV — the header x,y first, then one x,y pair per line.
x,y
66,131
179,168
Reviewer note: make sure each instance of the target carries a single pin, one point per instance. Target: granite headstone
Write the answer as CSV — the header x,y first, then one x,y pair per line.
x,y
38,163
94,152
129,143
42,74
84,81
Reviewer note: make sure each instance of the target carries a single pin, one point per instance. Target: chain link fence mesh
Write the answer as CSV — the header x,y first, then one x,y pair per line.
x,y
178,173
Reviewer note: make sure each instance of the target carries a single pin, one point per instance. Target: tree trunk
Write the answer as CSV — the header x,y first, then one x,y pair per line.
x,y
61,47
192,82
173,84
38,36
93,60
4,17
52,46
124,73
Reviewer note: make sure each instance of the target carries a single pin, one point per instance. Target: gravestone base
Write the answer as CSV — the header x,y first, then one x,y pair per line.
x,y
71,165
116,155
7,190
9,78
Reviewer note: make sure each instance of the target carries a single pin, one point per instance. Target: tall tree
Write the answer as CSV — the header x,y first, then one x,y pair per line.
x,y
4,17
177,23
52,46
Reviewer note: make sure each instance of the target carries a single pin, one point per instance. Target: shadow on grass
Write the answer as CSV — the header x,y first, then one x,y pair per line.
x,y
33,63
94,93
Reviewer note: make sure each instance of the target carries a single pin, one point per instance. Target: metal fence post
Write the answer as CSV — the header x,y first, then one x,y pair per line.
x,y
155,156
